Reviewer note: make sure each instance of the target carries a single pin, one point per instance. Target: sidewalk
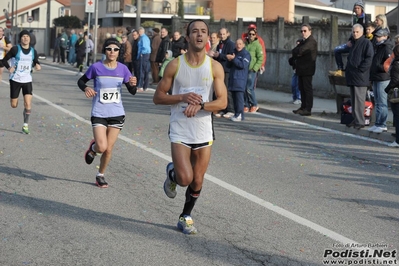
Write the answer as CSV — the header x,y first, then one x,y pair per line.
x,y
324,112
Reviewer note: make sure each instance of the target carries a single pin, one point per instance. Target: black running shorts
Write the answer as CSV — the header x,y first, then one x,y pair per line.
x,y
15,88
117,121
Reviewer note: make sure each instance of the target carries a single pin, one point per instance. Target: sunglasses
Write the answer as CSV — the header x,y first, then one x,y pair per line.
x,y
303,30
251,34
109,49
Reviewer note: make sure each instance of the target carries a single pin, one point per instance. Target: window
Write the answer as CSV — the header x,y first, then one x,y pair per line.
x,y
380,10
36,14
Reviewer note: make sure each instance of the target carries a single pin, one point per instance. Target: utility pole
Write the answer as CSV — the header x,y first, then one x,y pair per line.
x,y
47,31
138,14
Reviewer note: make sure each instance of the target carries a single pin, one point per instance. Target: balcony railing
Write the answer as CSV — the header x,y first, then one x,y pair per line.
x,y
160,7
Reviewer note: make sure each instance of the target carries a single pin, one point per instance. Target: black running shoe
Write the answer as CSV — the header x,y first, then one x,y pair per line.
x,y
89,154
100,182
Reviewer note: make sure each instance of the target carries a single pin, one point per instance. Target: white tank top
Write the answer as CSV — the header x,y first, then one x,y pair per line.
x,y
23,66
198,79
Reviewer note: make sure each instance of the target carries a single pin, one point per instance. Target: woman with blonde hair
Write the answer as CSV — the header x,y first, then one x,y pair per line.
x,y
382,22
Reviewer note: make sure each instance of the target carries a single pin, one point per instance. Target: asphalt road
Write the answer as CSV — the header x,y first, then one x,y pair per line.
x,y
277,192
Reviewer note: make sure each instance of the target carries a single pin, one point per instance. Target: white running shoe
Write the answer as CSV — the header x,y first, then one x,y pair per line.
x,y
220,114
228,115
393,145
371,129
297,102
380,130
169,186
186,225
236,119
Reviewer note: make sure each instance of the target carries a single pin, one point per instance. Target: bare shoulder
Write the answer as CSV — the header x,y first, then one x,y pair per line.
x,y
217,67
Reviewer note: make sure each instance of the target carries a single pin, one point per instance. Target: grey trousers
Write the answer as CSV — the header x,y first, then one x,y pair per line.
x,y
358,97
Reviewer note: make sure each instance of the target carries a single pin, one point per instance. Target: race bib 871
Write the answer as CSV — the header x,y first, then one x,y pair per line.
x,y
110,95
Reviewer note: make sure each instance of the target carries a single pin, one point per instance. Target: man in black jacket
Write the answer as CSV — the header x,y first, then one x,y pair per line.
x,y
224,48
357,74
135,62
304,55
178,44
164,46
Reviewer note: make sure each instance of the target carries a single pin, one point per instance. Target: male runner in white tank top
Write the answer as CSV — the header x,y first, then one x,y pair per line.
x,y
193,77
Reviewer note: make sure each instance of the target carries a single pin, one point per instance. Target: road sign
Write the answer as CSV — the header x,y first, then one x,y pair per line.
x,y
8,24
89,8
30,19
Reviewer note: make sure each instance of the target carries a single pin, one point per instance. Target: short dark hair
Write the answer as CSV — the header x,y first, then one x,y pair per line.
x,y
191,22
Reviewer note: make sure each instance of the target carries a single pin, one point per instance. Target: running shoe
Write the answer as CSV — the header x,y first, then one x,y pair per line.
x,y
89,154
169,186
186,225
100,181
25,130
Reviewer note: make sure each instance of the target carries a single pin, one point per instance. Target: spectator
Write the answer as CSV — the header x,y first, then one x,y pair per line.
x,y
156,42
255,49
394,83
72,41
63,45
370,28
358,74
178,44
56,51
238,62
214,38
262,42
89,48
381,22
296,94
143,54
380,79
127,51
119,34
164,46
80,49
168,57
387,63
32,38
305,54
224,48
359,17
135,62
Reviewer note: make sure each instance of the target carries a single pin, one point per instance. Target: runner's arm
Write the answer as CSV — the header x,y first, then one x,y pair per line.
x,y
12,53
82,82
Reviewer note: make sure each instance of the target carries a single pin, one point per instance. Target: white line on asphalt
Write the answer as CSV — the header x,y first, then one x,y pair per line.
x,y
323,129
268,205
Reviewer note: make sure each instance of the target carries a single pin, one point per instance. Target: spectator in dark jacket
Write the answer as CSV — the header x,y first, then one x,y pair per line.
x,y
304,55
178,44
135,62
224,48
357,74
155,43
238,63
56,52
380,79
393,84
32,38
80,49
164,46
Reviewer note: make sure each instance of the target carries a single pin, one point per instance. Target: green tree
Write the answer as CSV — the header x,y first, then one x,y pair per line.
x,y
181,9
68,22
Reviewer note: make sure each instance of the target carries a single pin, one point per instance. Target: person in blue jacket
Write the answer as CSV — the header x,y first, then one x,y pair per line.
x,y
238,62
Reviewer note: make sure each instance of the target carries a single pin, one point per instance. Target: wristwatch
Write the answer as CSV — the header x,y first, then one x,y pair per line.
x,y
202,105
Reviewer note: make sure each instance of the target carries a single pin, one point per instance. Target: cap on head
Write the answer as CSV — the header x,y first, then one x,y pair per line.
x,y
22,33
381,32
252,27
359,3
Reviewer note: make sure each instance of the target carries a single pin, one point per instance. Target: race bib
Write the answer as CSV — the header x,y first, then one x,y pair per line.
x,y
198,90
110,95
24,66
